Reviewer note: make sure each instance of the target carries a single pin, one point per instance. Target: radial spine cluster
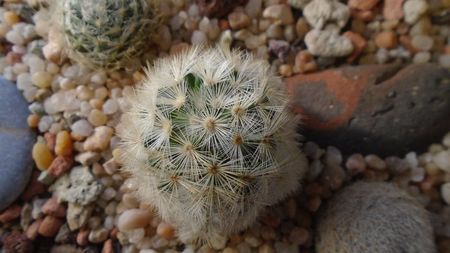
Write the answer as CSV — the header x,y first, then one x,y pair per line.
x,y
209,141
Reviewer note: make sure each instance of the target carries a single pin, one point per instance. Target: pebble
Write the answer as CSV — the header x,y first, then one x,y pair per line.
x,y
63,146
279,12
266,248
42,79
77,215
375,162
238,20
445,192
299,236
362,4
52,52
422,57
328,44
98,235
110,106
108,247
97,118
414,9
320,12
442,160
53,208
165,230
387,39
42,156
198,38
99,141
11,213
50,226
444,60
134,218
333,156
392,9
355,164
422,42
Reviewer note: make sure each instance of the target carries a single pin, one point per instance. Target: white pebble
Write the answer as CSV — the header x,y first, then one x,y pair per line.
x,y
82,128
445,192
109,193
136,235
442,160
444,60
422,42
422,57
414,9
198,38
328,44
24,81
45,123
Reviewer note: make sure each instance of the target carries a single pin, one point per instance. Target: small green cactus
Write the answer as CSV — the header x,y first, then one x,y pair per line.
x,y
107,34
209,141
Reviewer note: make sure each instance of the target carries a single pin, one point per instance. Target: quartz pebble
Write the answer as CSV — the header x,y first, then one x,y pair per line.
x,y
422,42
414,9
134,218
328,44
320,12
99,140
281,12
445,191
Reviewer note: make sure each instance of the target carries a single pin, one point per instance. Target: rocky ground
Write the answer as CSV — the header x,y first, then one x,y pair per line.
x,y
79,201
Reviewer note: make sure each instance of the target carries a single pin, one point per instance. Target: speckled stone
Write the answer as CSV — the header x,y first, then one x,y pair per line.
x,y
16,141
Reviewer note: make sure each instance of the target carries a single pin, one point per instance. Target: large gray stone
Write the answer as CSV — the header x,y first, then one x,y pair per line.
x,y
16,141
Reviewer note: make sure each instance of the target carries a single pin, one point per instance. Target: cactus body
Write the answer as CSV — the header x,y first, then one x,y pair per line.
x,y
374,218
105,33
209,141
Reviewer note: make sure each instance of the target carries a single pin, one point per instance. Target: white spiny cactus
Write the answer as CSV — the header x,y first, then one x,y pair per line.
x,y
209,141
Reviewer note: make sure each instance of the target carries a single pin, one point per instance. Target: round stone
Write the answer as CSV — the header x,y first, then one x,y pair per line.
x,y
16,141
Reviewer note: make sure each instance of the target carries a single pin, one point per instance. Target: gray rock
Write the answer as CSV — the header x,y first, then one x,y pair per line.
x,y
16,141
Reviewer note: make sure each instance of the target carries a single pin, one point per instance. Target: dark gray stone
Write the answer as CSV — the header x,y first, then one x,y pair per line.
x,y
16,141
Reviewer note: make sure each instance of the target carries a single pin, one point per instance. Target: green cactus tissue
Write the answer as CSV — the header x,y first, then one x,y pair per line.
x,y
209,141
107,34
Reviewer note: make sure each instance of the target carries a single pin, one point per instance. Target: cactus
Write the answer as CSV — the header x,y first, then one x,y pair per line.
x,y
209,141
106,34
374,218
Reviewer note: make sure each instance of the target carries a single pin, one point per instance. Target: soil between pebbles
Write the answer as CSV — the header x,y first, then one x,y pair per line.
x,y
75,111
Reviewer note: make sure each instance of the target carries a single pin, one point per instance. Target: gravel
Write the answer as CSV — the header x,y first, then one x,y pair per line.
x,y
84,106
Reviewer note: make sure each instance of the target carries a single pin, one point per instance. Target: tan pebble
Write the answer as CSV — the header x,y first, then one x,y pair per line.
x,y
84,93
359,43
64,144
386,40
99,141
50,226
11,18
134,218
362,4
280,12
266,248
301,28
355,164
96,103
82,237
117,153
365,16
165,230
33,120
52,52
390,25
285,70
53,208
393,9
230,250
42,156
97,118
11,213
108,247
32,230
42,79
304,62
238,20
375,162
299,236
